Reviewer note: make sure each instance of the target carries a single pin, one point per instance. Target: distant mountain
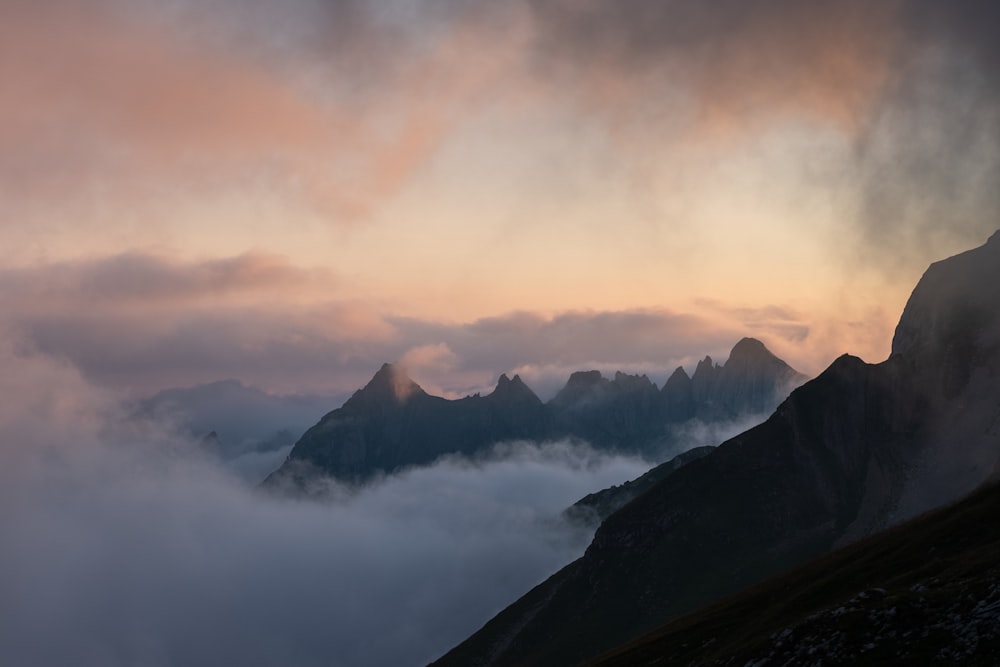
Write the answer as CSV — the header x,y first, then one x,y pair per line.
x,y
392,423
859,448
243,419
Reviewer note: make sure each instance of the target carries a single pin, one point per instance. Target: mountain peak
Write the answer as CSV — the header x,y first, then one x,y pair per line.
x,y
678,376
581,385
510,384
627,382
953,306
751,355
705,369
750,348
390,383
513,388
585,379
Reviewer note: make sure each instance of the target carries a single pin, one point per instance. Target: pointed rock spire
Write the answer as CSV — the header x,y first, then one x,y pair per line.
x,y
390,384
508,389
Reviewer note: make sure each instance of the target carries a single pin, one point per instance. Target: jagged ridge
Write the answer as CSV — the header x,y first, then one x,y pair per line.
x,y
392,423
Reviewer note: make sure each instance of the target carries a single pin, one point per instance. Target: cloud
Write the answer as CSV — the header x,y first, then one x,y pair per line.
x,y
146,322
722,67
131,550
434,357
124,124
912,85
927,164
778,321
132,278
328,106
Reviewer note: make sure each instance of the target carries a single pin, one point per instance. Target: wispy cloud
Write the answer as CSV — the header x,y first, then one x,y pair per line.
x,y
146,322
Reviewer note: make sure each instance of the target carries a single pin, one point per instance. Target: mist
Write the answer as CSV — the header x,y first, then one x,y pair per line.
x,y
124,546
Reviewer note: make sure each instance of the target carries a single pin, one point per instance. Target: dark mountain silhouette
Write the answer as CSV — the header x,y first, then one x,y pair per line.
x,y
924,593
595,507
857,449
392,423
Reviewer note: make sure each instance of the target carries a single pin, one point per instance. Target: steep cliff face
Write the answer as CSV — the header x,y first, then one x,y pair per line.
x,y
858,448
949,335
952,313
677,397
623,413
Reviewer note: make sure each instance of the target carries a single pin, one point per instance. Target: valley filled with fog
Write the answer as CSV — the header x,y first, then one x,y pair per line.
x,y
125,544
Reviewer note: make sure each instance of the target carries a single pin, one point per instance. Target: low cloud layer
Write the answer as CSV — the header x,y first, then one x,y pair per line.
x,y
123,547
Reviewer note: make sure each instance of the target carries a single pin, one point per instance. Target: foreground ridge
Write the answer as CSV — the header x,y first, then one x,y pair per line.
x,y
926,592
858,449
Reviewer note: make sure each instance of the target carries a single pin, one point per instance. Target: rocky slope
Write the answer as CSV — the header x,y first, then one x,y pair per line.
x,y
858,448
392,423
924,593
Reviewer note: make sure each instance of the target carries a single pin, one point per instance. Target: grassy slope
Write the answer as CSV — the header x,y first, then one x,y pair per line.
x,y
925,592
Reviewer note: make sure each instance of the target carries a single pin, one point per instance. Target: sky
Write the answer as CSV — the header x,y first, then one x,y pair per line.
x,y
291,193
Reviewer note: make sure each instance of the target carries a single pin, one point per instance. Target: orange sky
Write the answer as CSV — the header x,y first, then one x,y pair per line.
x,y
291,193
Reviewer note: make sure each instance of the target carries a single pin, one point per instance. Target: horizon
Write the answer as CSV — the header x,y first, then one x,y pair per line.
x,y
607,371
545,395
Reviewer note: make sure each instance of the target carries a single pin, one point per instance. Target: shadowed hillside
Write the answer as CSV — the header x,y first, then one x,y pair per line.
x,y
926,592
859,448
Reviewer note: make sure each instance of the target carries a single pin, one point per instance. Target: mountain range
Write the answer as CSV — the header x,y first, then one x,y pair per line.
x,y
392,423
857,449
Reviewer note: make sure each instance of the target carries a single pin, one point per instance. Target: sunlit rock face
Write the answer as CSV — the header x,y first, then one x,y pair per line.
x,y
860,447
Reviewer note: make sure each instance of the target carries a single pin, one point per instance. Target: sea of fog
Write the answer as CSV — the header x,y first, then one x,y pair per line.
x,y
122,545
